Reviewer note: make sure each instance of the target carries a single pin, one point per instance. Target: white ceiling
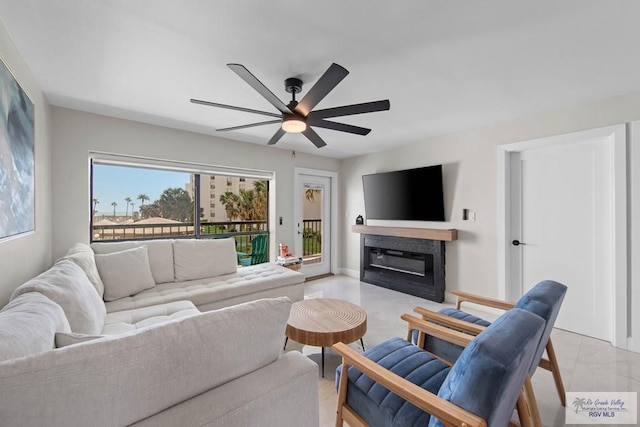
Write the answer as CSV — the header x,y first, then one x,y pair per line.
x,y
446,66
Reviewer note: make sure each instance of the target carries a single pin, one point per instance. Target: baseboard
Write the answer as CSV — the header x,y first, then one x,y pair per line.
x,y
349,272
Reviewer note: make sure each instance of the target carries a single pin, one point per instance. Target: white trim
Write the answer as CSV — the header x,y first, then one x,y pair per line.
x,y
619,170
619,245
297,171
633,342
173,165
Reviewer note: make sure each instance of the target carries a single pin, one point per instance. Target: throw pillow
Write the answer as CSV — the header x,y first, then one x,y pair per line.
x,y
66,284
83,256
199,259
28,325
64,339
125,273
160,255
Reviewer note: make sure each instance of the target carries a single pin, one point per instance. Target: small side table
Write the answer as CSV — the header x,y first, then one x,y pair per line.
x,y
323,322
295,266
290,263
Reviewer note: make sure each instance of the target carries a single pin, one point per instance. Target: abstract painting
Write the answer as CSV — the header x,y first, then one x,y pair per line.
x,y
17,192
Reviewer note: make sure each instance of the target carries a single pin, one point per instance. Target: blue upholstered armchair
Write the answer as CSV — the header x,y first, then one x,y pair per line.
x,y
544,300
399,384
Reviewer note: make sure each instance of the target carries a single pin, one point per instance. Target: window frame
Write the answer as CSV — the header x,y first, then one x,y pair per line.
x,y
196,169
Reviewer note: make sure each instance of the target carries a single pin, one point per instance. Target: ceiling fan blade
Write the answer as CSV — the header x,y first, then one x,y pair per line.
x,y
249,126
325,84
233,107
259,87
276,136
348,110
314,137
338,126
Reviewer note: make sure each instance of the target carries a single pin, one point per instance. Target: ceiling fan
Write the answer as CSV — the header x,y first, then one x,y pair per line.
x,y
297,116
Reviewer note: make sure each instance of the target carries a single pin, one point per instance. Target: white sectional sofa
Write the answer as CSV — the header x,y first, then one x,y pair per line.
x,y
204,272
135,334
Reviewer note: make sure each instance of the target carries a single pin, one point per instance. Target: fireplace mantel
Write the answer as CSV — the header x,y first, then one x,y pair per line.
x,y
416,233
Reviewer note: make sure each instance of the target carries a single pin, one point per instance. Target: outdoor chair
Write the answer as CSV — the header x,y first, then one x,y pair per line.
x,y
399,384
544,300
258,253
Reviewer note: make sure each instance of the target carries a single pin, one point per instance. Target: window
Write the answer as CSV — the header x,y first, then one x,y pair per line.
x,y
133,200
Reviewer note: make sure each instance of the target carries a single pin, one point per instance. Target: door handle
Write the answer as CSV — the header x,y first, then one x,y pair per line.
x,y
517,243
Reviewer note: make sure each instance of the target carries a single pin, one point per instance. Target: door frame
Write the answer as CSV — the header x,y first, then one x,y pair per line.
x,y
297,207
618,136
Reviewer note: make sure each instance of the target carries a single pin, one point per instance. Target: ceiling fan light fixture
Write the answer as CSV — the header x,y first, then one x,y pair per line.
x,y
293,124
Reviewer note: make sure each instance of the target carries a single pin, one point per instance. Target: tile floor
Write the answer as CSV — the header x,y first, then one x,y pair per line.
x,y
586,364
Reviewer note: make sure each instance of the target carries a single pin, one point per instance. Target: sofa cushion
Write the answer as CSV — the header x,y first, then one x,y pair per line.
x,y
160,255
125,321
246,281
118,380
83,256
197,259
64,339
28,325
125,273
66,284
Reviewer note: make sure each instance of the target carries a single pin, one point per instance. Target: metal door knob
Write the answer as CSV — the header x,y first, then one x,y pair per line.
x,y
517,243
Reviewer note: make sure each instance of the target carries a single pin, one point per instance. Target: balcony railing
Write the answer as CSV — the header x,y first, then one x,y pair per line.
x,y
311,237
241,231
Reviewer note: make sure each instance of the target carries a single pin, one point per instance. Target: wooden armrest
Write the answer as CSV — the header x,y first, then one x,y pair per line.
x,y
476,299
437,331
469,328
446,411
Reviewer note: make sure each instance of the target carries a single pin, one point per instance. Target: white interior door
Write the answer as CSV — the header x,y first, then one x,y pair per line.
x,y
561,214
313,222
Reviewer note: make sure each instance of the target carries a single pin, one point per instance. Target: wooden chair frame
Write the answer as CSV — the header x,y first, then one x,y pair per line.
x,y
449,413
550,363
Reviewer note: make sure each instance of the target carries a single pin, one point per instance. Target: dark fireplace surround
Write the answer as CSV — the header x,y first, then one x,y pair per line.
x,y
411,265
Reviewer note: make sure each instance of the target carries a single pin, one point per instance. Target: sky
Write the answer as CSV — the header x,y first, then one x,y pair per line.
x,y
115,183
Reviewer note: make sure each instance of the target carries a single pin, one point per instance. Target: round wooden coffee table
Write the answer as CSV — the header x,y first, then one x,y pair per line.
x,y
322,322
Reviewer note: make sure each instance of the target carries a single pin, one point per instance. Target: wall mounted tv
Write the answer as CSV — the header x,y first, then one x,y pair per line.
x,y
407,195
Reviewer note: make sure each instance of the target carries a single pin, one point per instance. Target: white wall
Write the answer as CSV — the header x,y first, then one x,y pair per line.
x,y
26,255
77,133
470,181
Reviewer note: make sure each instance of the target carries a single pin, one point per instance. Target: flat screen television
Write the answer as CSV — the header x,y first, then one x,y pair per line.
x,y
407,195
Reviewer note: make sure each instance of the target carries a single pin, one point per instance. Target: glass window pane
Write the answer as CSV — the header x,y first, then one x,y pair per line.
x,y
240,210
312,224
140,203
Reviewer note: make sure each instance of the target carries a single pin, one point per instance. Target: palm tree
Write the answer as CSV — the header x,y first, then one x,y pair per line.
x,y
175,203
114,204
260,188
142,197
310,194
231,204
95,204
128,200
579,403
133,205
